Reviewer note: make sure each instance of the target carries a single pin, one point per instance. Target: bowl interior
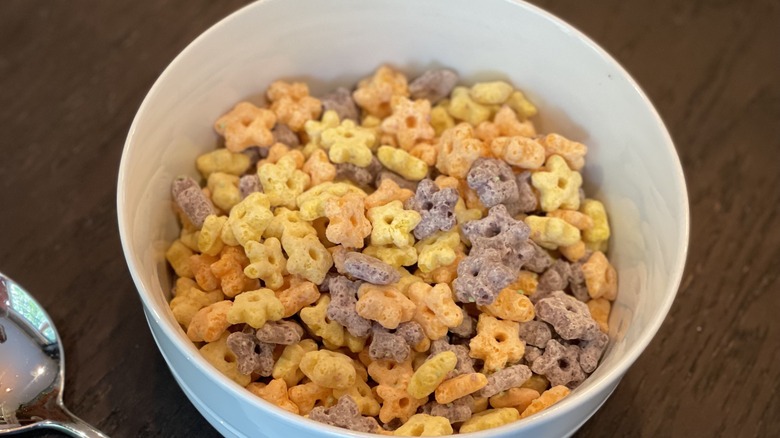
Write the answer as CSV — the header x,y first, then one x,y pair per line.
x,y
580,91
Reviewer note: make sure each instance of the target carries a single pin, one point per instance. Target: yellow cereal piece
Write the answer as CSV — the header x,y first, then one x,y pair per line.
x,y
224,190
510,305
266,262
210,322
387,192
599,233
518,151
458,149
308,257
424,425
189,238
402,163
536,382
391,224
246,125
362,395
220,357
384,304
559,186
547,399
440,118
328,369
224,161
392,255
480,404
443,274
374,94
189,299
518,398
255,308
319,168
288,222
283,182
600,277
209,240
287,366
311,203
349,143
347,225
409,121
599,310
571,151
292,104
551,232
314,128
438,249
178,255
521,105
463,107
300,294
497,343
431,373
489,419
491,93
460,386
248,219
274,392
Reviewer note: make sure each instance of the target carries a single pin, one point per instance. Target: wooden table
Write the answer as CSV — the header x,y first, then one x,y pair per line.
x,y
73,73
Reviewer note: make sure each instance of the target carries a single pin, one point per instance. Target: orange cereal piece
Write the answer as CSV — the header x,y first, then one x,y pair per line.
x,y
580,220
389,373
518,151
397,403
571,151
309,395
275,153
246,125
600,277
575,251
432,323
497,343
348,223
518,398
387,192
547,399
292,104
274,392
458,149
427,152
512,305
200,264
460,386
525,283
409,121
229,269
374,94
300,294
504,124
210,322
384,304
599,310
319,167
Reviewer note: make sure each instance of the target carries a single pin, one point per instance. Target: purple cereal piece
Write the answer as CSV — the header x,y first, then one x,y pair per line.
x,y
344,414
539,261
510,377
245,346
481,277
386,345
526,199
535,333
398,179
577,283
411,331
191,200
569,317
362,176
255,154
556,277
370,269
340,100
531,353
494,182
280,332
437,208
283,134
467,328
249,184
433,85
465,363
496,230
342,306
517,256
559,364
456,411
591,351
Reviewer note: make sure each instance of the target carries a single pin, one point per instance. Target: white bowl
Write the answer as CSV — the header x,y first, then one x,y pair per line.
x,y
580,90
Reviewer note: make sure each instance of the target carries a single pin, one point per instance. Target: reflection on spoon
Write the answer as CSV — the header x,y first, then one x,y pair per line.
x,y
32,368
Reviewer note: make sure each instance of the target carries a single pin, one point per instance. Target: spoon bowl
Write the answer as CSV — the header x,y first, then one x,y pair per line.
x,y
32,368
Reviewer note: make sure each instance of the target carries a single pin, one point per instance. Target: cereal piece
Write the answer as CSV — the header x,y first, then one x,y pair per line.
x,y
571,151
467,328
342,306
344,414
537,382
539,261
532,353
284,135
374,94
200,264
519,151
191,200
274,392
224,190
348,143
424,425
458,149
288,224
409,122
255,308
310,395
370,269
506,124
222,160
246,125
439,300
527,201
431,373
444,273
283,182
292,104
507,378
463,107
569,317
178,255
460,386
392,224
455,412
497,343
348,224
362,176
280,332
438,249
387,192
249,184
223,359
433,85
501,232
287,366
441,120
397,403
300,294
308,257
522,106
229,269
340,101
518,398
428,153
209,237
385,305
576,218
600,277
591,351
490,93
391,374
551,232
398,179
188,300
267,262
332,333
432,325
481,277
411,332
392,255
388,346
547,399
489,419
494,183
209,323
248,219
319,168
597,236
465,364
328,369
560,364
436,208
252,356
312,202
558,185
574,252
402,163
510,305
535,333
556,277
599,310
362,395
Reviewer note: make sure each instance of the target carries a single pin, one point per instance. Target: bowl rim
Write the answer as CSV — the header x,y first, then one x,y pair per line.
x,y
566,405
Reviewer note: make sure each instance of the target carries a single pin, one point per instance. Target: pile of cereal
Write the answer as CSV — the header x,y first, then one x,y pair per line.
x,y
404,258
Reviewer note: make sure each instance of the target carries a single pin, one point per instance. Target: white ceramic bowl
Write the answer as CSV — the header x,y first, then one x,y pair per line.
x,y
581,92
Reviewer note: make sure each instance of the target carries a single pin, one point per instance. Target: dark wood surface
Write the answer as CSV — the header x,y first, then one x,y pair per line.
x,y
73,73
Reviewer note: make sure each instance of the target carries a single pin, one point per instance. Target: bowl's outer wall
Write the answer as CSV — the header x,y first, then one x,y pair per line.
x,y
581,93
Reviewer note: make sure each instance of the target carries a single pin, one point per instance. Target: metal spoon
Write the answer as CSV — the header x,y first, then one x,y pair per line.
x,y
32,368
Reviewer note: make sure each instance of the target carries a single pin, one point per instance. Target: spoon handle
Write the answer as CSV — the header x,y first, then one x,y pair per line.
x,y
75,427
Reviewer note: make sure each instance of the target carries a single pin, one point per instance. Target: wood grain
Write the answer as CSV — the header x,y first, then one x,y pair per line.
x,y
73,73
